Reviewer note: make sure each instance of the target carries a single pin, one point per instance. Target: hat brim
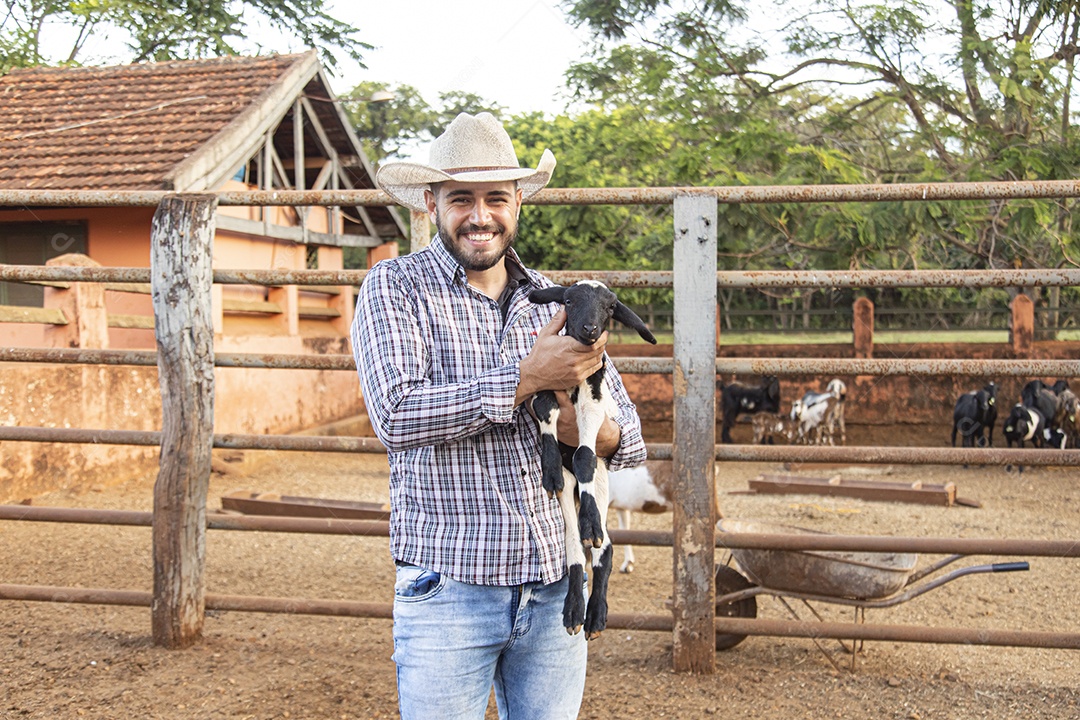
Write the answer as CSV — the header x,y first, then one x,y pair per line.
x,y
406,182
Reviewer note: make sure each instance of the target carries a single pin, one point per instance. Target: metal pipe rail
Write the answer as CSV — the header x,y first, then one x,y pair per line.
x,y
616,621
620,621
626,365
895,455
996,190
1059,277
655,538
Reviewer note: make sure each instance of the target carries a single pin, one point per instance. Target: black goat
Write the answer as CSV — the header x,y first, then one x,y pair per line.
x,y
574,473
1042,397
737,399
974,412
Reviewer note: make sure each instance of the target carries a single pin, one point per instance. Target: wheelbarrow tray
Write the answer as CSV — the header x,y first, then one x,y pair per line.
x,y
856,575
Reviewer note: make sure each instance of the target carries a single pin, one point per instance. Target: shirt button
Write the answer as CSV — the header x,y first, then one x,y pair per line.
x,y
524,472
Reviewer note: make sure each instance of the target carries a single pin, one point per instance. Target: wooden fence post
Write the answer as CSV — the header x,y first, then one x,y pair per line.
x,y
1022,326
863,327
694,451
181,243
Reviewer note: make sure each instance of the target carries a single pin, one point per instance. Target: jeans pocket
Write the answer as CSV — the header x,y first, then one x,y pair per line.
x,y
415,584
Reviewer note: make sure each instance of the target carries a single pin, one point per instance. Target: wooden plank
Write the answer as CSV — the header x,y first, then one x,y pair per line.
x,y
836,486
313,311
137,322
43,316
265,503
236,306
694,449
181,240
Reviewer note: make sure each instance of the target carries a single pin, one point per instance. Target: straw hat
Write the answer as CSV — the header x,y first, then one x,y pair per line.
x,y
475,148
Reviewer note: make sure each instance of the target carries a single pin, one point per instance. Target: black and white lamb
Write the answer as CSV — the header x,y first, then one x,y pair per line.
x,y
574,474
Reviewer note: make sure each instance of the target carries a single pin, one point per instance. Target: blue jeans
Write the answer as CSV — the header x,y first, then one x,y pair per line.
x,y
453,641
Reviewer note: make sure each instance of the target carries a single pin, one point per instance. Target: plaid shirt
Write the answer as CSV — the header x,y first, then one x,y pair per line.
x,y
439,370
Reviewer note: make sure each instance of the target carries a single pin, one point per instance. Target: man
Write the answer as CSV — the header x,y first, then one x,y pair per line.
x,y
449,351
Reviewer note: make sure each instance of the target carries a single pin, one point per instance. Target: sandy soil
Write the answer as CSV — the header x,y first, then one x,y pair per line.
x,y
82,661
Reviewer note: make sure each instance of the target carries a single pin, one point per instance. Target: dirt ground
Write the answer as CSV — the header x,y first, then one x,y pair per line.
x,y
83,661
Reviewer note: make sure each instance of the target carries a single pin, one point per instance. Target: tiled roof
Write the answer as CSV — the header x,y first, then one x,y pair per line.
x,y
122,127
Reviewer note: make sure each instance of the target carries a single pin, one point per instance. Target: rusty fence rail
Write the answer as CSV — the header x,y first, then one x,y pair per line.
x,y
188,220
1054,277
630,621
657,451
628,365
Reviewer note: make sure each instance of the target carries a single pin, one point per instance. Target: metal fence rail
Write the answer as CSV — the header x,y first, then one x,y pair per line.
x,y
616,621
692,368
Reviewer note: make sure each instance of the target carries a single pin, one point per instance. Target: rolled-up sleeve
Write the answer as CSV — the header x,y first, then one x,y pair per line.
x,y
632,449
392,352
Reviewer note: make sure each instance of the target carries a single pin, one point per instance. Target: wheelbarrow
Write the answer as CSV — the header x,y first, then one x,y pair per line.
x,y
861,580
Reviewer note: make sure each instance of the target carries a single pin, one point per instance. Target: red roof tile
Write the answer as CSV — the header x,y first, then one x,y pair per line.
x,y
122,127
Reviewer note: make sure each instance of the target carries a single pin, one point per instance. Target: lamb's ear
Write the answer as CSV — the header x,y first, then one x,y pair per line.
x,y
542,296
630,319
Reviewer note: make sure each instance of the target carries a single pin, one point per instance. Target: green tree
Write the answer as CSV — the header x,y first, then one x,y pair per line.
x,y
165,30
905,91
391,120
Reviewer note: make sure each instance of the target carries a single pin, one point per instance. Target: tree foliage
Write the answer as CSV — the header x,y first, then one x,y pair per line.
x,y
164,30
865,92
856,92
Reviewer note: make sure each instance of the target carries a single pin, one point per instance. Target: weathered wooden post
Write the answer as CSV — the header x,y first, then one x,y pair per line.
x,y
1022,326
694,451
420,230
181,243
863,327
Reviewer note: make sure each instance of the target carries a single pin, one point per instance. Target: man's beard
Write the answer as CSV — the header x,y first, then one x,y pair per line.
x,y
477,260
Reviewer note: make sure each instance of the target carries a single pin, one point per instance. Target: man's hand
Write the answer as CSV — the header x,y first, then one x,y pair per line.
x,y
558,362
607,438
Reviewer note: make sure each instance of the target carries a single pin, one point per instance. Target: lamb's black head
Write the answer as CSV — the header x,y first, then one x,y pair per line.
x,y
590,305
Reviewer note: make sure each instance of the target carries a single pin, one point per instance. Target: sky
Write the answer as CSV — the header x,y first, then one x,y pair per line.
x,y
513,52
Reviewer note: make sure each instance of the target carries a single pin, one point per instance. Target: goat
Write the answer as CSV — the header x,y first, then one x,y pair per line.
x,y
838,389
737,399
817,414
1042,397
1024,424
1056,439
768,425
647,488
589,306
1070,420
974,412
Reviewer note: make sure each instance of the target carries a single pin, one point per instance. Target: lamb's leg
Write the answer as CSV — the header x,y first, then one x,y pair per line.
x,y
591,408
574,604
546,408
596,616
623,517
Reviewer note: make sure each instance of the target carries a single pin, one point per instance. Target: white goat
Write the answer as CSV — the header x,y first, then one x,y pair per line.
x,y
648,488
819,414
590,305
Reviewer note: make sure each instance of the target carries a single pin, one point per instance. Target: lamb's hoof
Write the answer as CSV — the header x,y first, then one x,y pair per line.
x,y
573,612
590,529
627,568
594,634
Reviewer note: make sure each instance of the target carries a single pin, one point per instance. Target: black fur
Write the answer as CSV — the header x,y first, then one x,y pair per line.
x,y
738,399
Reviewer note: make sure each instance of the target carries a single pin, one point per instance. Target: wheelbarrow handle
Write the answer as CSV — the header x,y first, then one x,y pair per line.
x,y
1010,567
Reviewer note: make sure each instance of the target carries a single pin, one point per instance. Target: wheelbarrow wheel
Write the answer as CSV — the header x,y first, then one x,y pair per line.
x,y
729,580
